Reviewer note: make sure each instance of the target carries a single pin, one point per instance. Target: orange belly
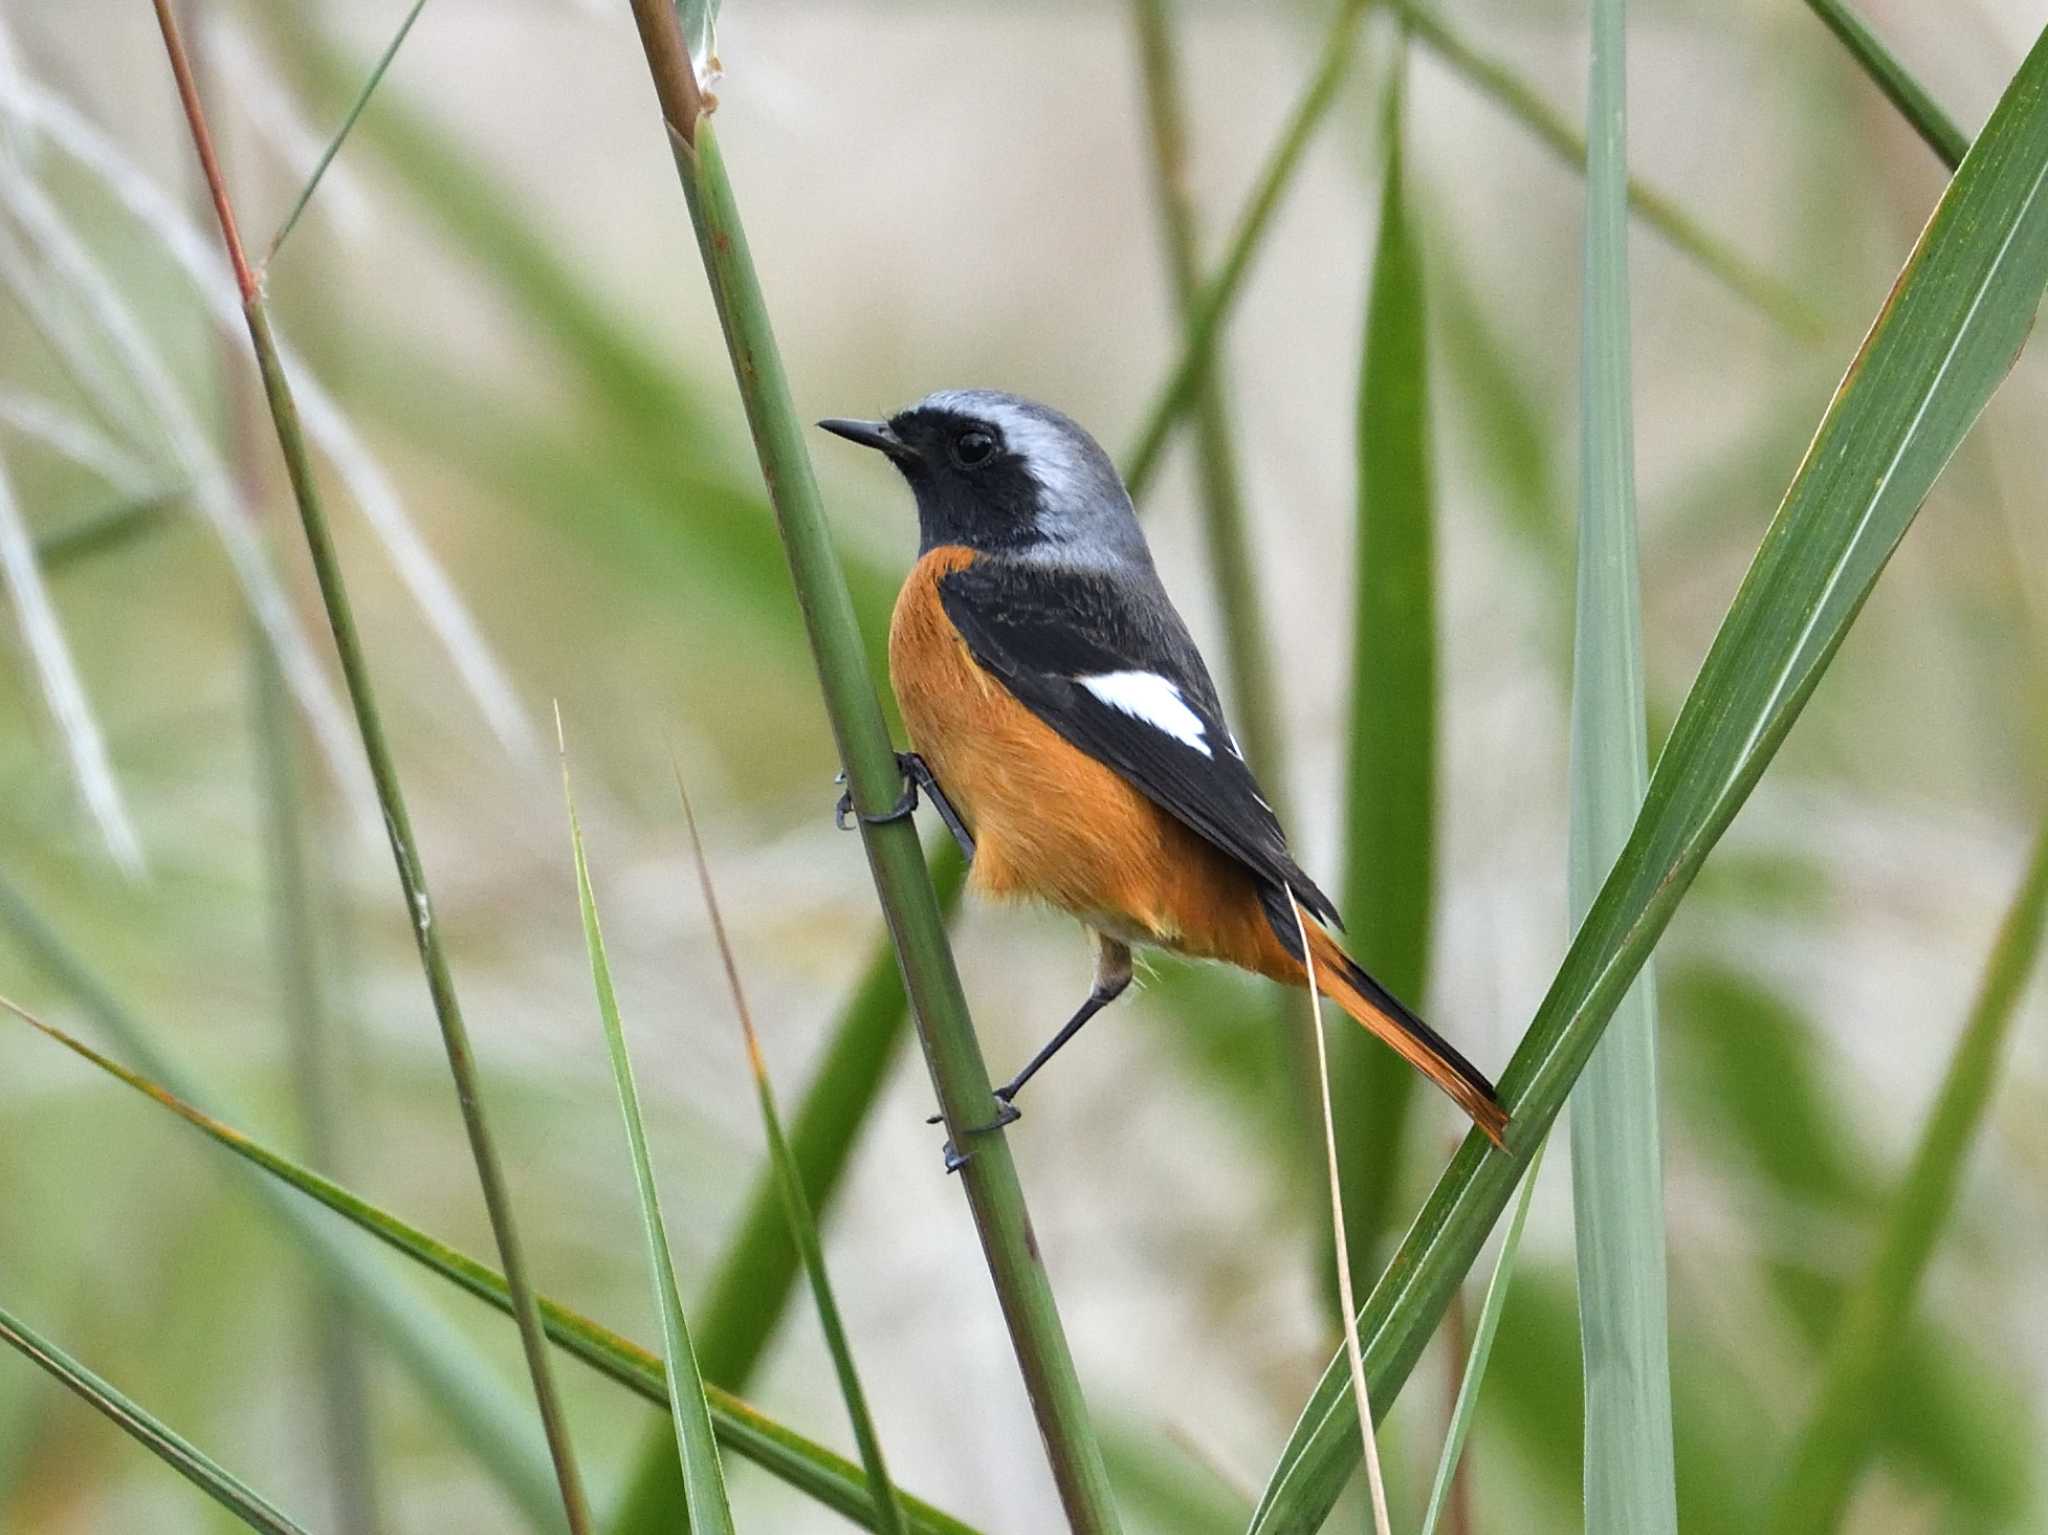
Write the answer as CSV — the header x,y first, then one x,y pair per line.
x,y
1050,822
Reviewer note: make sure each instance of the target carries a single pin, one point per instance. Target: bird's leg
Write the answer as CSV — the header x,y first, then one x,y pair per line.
x,y
916,775
1112,975
919,774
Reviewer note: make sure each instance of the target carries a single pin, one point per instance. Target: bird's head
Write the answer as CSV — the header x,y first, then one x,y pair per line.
x,y
1004,475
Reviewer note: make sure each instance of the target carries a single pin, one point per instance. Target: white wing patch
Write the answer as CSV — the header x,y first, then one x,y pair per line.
x,y
1154,699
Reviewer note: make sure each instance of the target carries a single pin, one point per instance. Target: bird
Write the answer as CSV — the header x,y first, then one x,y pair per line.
x,y
1065,726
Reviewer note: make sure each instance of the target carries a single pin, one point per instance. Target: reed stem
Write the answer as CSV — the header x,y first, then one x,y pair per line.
x,y
909,904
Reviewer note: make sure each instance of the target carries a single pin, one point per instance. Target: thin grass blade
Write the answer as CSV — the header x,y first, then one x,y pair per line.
x,y
1836,1441
1390,787
63,688
177,1452
703,1476
1522,101
803,1226
1617,1165
802,1463
1354,1355
1206,312
348,122
77,440
1943,342
1918,108
1481,1354
750,1288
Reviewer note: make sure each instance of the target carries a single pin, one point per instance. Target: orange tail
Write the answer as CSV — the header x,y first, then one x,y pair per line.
x,y
1343,980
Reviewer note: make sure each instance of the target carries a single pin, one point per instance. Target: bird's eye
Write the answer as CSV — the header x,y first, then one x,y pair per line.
x,y
973,448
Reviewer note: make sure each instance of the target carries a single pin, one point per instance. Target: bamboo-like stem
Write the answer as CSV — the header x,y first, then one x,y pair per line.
x,y
383,771
959,1074
1920,109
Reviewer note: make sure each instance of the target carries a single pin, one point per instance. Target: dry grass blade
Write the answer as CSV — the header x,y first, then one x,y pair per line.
x,y
76,439
1353,1354
359,470
803,1225
198,465
179,1453
62,686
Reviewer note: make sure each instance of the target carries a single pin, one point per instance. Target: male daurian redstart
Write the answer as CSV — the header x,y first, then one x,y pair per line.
x,y
1067,729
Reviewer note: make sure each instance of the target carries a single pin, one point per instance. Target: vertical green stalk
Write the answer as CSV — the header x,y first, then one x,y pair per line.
x,y
1515,96
1617,1171
1836,1441
959,1074
1390,835
345,1407
384,772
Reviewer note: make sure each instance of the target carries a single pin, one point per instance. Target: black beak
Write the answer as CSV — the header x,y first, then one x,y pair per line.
x,y
871,434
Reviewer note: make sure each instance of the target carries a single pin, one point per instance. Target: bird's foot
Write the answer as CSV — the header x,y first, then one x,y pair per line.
x,y
916,775
1007,1113
844,815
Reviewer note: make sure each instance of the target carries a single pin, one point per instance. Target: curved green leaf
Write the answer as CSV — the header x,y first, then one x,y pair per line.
x,y
1942,343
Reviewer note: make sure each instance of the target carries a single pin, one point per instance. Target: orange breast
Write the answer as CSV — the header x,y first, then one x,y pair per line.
x,y
1049,821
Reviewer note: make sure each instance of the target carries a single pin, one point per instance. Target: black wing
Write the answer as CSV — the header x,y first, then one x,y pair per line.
x,y
1041,630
